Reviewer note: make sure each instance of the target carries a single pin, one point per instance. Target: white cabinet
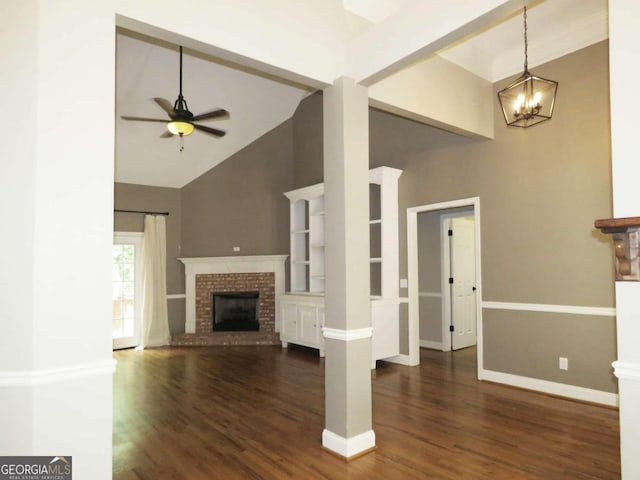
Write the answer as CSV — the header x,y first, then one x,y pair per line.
x,y
302,309
289,319
302,320
385,318
308,324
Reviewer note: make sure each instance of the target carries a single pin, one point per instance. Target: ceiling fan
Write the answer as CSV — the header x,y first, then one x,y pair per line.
x,y
181,121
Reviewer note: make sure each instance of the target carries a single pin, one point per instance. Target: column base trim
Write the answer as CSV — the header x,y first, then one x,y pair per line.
x,y
349,448
347,335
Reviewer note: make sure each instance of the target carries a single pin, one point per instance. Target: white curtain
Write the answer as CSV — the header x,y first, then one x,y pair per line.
x,y
155,321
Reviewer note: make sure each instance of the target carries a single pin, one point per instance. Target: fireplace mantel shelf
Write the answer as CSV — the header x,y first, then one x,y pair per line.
x,y
626,244
233,259
608,225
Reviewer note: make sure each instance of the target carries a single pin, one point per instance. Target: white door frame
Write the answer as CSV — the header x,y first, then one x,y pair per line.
x,y
412,273
445,269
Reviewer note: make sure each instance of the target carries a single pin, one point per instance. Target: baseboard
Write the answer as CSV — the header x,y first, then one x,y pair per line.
x,y
553,388
401,359
431,345
348,447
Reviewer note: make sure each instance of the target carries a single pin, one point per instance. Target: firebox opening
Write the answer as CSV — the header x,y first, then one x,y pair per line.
x,y
235,311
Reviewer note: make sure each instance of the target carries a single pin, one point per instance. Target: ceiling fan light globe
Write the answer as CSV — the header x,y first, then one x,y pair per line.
x,y
180,128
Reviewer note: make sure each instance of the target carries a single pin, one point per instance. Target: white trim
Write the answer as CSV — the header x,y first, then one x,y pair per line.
x,y
541,307
626,370
429,294
176,296
348,447
249,259
412,274
431,344
553,388
39,377
404,299
402,359
128,234
347,335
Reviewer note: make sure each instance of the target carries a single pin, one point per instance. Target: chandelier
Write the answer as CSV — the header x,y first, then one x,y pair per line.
x,y
529,99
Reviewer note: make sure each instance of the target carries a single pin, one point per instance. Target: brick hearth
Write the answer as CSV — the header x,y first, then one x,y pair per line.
x,y
206,284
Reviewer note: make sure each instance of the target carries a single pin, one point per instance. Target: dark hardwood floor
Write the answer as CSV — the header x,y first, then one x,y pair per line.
x,y
258,413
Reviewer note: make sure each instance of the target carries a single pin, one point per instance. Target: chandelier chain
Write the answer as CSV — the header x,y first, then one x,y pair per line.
x,y
526,43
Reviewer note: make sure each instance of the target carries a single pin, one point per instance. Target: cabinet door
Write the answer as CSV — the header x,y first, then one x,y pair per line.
x,y
308,323
289,321
385,320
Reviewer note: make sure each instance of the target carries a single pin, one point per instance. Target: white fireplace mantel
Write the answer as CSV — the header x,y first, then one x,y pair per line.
x,y
239,264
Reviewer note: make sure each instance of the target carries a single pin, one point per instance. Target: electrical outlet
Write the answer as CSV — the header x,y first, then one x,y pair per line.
x,y
563,364
236,249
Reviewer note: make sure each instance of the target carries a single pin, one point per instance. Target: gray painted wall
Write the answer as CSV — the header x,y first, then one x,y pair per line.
x,y
307,142
540,191
159,199
237,203
240,202
429,276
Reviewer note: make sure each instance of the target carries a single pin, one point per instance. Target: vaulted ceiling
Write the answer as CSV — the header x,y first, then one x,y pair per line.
x,y
148,68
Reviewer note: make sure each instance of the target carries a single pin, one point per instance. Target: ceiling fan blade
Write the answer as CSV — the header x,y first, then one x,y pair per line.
x,y
166,134
166,105
142,119
217,113
212,131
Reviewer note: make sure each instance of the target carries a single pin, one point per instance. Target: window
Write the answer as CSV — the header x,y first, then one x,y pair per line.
x,y
125,296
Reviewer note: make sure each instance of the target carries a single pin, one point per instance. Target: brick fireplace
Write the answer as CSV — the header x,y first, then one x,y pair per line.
x,y
208,275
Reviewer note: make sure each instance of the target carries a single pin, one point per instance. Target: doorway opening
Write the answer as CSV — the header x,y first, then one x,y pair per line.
x,y
444,270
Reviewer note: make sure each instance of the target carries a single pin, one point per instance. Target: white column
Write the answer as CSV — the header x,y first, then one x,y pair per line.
x,y
56,201
347,332
624,61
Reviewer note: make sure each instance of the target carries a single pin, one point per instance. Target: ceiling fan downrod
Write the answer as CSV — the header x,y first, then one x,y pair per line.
x,y
180,106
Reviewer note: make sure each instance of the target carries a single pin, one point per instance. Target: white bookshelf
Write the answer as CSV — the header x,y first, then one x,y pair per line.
x,y
303,306
307,238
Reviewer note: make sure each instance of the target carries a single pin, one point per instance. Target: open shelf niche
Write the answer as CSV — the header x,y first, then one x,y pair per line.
x,y
303,307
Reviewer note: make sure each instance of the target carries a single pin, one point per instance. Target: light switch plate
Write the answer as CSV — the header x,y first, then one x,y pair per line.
x,y
404,283
563,363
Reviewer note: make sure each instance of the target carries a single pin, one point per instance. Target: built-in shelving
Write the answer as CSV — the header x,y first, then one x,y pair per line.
x,y
303,306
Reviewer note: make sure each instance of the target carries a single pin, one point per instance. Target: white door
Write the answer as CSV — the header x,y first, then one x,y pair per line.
x,y
463,288
126,281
